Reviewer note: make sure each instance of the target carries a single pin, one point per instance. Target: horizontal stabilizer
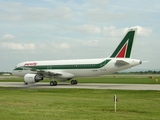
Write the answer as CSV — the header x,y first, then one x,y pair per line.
x,y
120,63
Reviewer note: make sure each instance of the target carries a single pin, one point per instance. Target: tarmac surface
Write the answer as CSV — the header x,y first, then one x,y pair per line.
x,y
84,86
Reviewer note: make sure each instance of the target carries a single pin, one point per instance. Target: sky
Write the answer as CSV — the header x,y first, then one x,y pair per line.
x,y
77,29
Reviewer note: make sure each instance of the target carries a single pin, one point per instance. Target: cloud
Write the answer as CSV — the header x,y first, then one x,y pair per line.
x,y
13,11
10,11
8,43
17,46
64,46
60,45
113,31
100,3
143,31
101,15
53,46
8,37
10,6
62,13
156,7
85,29
89,29
42,14
36,14
91,43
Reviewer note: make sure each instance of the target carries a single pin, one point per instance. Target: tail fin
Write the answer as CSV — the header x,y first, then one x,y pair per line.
x,y
125,47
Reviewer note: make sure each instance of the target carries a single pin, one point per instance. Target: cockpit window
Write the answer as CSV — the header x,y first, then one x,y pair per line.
x,y
18,68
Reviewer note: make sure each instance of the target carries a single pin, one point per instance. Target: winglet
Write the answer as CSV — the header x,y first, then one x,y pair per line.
x,y
125,47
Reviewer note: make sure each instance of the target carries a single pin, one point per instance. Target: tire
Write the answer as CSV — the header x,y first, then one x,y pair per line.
x,y
75,82
72,82
25,83
53,83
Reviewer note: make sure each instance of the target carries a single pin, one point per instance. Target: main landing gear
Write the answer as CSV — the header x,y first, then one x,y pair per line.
x,y
53,83
74,82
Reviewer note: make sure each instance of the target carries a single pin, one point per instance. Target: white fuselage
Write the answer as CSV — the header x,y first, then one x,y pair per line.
x,y
79,68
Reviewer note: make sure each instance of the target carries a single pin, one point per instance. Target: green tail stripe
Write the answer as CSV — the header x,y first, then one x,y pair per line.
x,y
129,37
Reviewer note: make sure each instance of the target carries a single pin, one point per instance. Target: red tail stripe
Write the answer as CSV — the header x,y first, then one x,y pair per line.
x,y
122,53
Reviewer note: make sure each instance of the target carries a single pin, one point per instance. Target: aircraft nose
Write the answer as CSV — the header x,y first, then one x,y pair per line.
x,y
13,72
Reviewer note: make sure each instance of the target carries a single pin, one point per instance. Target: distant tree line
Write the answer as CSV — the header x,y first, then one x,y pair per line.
x,y
2,73
140,72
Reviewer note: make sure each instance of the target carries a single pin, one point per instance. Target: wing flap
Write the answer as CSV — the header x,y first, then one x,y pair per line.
x,y
50,73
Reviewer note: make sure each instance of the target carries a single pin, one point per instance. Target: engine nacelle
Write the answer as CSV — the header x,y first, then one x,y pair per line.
x,y
32,78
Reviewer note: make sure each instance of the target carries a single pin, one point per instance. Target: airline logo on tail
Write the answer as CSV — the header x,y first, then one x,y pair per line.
x,y
125,47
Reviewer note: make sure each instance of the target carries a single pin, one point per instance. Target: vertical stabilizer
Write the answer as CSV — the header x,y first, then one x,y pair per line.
x,y
124,49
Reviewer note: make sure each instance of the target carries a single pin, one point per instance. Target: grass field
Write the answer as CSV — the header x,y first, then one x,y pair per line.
x,y
81,104
78,104
128,79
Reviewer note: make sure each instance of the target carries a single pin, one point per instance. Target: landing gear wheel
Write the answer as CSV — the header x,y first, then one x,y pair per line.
x,y
53,83
25,83
73,82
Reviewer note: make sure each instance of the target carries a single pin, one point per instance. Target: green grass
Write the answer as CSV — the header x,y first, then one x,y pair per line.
x,y
81,104
78,104
122,79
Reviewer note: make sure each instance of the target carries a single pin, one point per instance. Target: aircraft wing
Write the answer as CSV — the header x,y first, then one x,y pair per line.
x,y
42,72
48,73
51,73
120,63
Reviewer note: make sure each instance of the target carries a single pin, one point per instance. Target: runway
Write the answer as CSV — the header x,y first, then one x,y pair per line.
x,y
84,86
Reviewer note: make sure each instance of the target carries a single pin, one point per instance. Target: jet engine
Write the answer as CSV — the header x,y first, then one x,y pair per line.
x,y
32,78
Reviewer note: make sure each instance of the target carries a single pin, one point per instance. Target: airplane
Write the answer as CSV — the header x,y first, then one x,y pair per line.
x,y
65,70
